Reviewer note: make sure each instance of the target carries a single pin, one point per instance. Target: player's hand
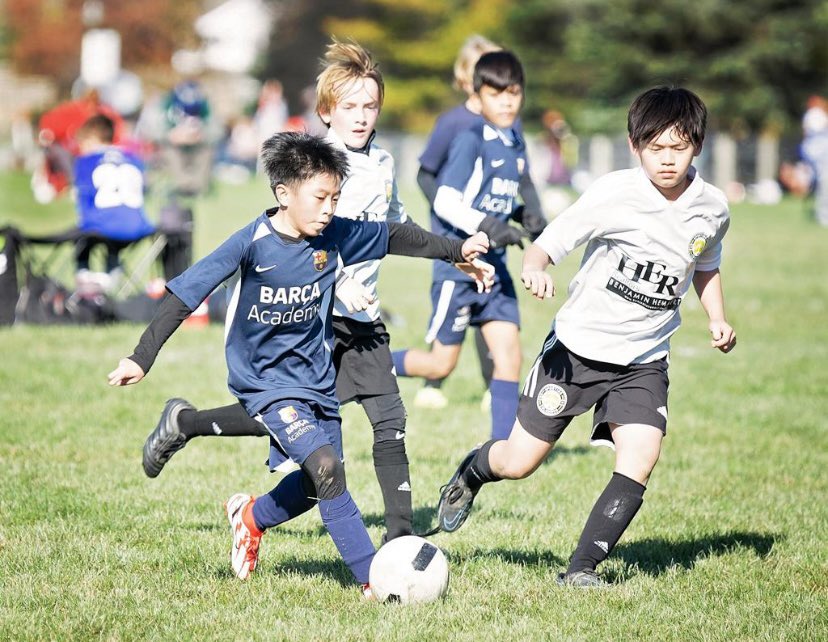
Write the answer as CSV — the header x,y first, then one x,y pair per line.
x,y
724,337
127,372
353,295
475,245
539,283
481,272
501,234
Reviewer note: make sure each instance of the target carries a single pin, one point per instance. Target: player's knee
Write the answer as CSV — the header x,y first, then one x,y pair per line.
x,y
515,469
326,471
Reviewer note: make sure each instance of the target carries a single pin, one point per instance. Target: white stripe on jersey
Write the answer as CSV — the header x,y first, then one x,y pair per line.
x,y
232,303
442,308
261,231
474,184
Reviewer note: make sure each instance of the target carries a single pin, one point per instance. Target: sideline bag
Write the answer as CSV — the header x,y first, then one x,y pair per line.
x,y
10,239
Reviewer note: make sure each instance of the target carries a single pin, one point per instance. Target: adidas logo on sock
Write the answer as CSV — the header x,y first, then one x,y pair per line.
x,y
405,487
216,428
602,545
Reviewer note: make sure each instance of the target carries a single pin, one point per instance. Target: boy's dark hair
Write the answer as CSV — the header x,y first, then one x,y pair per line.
x,y
498,69
291,158
661,108
98,126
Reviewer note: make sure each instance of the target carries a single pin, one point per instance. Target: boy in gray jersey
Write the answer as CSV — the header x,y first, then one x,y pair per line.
x,y
649,232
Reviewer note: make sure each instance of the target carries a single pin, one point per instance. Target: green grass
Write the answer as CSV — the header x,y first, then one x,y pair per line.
x,y
728,546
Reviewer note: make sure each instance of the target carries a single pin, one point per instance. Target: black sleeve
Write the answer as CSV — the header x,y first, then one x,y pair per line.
x,y
412,240
529,194
171,313
428,184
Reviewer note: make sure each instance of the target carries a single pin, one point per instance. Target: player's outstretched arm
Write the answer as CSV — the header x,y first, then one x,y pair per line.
x,y
534,275
171,313
708,285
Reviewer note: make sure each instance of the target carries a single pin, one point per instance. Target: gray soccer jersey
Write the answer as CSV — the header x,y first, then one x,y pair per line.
x,y
641,253
369,193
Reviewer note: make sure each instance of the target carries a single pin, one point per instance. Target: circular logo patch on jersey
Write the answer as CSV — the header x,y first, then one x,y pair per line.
x,y
551,399
697,245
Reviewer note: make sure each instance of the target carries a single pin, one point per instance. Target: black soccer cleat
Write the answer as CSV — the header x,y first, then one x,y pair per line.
x,y
581,579
456,498
167,439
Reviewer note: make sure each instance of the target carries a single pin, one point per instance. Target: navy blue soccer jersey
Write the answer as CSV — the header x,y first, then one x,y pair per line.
x,y
278,334
110,195
480,178
449,124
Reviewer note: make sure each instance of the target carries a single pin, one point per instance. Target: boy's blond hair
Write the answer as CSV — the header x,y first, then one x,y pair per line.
x,y
474,47
344,62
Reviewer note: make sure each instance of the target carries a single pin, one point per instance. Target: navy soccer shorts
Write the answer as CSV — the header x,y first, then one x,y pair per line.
x,y
298,428
457,304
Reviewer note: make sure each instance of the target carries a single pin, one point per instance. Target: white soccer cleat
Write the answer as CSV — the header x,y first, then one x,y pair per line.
x,y
431,398
245,552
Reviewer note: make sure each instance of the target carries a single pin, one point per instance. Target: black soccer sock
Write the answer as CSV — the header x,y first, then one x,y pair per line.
x,y
608,520
391,467
479,472
227,421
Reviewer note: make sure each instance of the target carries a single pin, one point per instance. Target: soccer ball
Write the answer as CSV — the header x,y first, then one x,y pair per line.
x,y
409,570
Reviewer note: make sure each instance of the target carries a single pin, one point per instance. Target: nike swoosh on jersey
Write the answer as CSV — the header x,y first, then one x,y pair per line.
x,y
498,163
259,268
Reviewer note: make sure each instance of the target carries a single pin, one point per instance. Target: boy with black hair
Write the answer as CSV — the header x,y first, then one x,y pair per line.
x,y
279,334
650,233
478,189
109,192
350,92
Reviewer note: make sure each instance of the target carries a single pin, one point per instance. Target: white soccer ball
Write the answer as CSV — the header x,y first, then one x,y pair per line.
x,y
409,570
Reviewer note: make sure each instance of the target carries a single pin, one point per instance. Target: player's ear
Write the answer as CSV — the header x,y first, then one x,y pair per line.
x,y
282,194
325,116
697,149
633,150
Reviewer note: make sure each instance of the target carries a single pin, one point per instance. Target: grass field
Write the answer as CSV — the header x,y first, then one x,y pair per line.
x,y
730,543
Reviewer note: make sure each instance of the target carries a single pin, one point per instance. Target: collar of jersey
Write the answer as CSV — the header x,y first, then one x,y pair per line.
x,y
334,138
685,200
490,132
289,240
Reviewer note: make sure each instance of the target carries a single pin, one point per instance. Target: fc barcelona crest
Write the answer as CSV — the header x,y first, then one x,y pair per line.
x,y
320,260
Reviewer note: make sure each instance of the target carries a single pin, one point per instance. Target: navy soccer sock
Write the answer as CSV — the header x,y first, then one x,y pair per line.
x,y
398,357
347,530
608,520
292,496
504,407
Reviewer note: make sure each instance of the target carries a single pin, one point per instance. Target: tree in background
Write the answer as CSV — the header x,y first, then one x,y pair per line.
x,y
44,36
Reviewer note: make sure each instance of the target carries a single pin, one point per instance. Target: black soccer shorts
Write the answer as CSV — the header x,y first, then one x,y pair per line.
x,y
561,385
362,358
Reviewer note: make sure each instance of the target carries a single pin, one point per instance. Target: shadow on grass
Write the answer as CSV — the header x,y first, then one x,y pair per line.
x,y
563,451
655,556
510,556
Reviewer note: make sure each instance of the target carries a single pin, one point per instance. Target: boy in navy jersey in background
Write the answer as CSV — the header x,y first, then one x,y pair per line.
x,y
478,189
650,232
109,191
279,336
448,126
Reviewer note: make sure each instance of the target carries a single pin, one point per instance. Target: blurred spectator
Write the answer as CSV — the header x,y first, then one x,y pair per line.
x,y
557,130
810,175
109,185
272,112
815,152
187,145
56,137
308,121
240,152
